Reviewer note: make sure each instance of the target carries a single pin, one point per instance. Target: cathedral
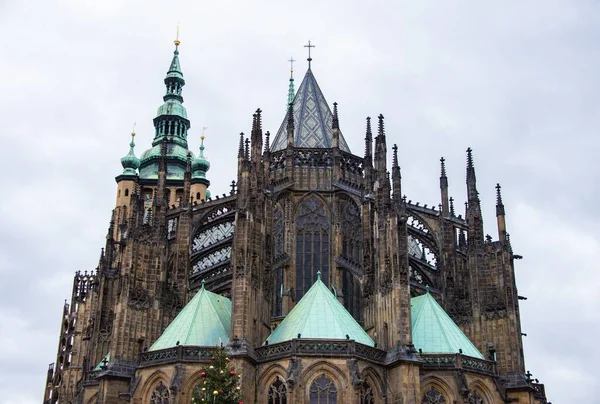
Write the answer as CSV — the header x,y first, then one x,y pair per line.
x,y
320,280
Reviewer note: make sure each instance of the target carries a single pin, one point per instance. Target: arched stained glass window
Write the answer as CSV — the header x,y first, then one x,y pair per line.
x,y
366,394
277,392
475,398
323,391
312,245
160,395
433,396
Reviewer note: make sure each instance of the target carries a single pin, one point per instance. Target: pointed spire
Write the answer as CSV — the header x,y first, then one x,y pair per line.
x,y
469,158
267,139
452,206
247,149
443,164
336,122
290,118
241,146
444,187
291,89
501,221
396,177
369,144
290,126
259,121
381,129
499,195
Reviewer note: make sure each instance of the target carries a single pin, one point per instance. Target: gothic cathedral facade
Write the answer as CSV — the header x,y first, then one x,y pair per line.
x,y
324,283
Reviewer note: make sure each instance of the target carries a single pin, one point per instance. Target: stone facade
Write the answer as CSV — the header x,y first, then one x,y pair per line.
x,y
289,214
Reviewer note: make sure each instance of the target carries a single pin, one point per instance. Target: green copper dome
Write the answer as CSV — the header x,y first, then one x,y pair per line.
x,y
433,331
204,321
200,164
130,162
319,315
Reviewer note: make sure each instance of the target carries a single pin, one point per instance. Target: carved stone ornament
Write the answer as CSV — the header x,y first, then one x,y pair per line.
x,y
139,298
240,270
293,372
495,307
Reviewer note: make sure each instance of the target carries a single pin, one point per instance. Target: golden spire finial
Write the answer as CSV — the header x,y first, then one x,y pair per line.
x,y
203,129
133,130
177,41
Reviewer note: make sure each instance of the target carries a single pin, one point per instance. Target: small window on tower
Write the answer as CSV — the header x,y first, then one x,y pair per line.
x,y
127,192
197,195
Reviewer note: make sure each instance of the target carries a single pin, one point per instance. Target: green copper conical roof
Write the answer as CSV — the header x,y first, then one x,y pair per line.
x,y
312,119
319,315
204,321
433,331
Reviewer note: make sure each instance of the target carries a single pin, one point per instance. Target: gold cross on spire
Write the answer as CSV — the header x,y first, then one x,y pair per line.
x,y
292,60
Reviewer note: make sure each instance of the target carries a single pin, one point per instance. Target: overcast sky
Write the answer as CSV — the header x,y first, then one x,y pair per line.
x,y
515,80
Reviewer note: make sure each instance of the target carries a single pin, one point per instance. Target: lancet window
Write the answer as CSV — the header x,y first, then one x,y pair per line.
x,y
160,395
277,393
323,391
366,394
312,245
433,396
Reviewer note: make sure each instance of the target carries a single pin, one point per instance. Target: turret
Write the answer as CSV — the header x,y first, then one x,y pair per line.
x,y
126,181
200,165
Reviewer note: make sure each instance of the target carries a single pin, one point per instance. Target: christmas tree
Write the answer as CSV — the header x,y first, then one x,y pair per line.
x,y
220,383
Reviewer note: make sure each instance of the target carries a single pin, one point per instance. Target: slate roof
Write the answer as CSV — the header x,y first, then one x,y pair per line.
x,y
204,321
319,315
433,331
312,118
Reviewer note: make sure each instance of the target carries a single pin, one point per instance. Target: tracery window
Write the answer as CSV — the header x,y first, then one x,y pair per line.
x,y
366,394
277,392
433,396
312,245
323,391
475,398
160,395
